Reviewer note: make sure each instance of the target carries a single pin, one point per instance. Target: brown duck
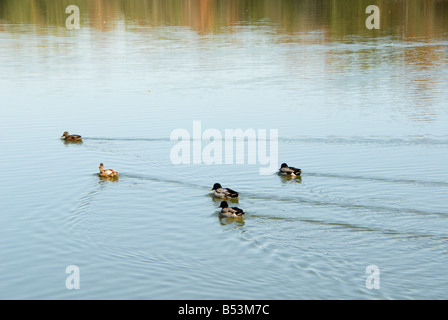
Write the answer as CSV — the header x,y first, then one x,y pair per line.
x,y
71,137
107,173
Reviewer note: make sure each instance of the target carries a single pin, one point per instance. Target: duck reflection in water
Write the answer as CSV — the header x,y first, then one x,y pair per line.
x,y
290,179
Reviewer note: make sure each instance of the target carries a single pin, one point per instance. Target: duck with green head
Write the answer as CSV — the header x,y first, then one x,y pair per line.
x,y
223,193
230,212
285,170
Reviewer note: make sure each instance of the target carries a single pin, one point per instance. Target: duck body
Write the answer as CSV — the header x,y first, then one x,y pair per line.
x,y
285,170
108,173
233,212
223,193
71,137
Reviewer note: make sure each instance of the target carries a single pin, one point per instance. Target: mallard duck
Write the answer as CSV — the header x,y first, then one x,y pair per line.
x,y
289,171
223,193
107,173
232,212
71,137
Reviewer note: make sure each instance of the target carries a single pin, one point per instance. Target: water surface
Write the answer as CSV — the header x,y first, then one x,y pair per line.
x,y
362,112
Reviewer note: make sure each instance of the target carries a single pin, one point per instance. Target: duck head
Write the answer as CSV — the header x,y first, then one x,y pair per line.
x,y
224,204
65,134
216,186
284,165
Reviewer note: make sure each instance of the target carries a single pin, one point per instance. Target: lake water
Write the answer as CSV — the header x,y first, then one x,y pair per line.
x,y
363,113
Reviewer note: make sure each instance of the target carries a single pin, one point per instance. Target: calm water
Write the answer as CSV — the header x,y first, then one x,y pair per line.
x,y
362,112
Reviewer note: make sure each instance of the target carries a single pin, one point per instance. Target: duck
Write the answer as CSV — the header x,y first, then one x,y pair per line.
x,y
223,193
233,212
285,170
71,137
107,173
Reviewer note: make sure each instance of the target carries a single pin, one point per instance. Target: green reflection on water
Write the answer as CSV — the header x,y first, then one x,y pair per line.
x,y
337,18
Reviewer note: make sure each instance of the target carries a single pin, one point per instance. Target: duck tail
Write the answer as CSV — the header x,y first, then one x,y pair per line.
x,y
232,193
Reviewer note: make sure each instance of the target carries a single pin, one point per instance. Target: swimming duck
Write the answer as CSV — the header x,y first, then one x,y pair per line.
x,y
71,137
107,173
289,171
232,212
224,193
